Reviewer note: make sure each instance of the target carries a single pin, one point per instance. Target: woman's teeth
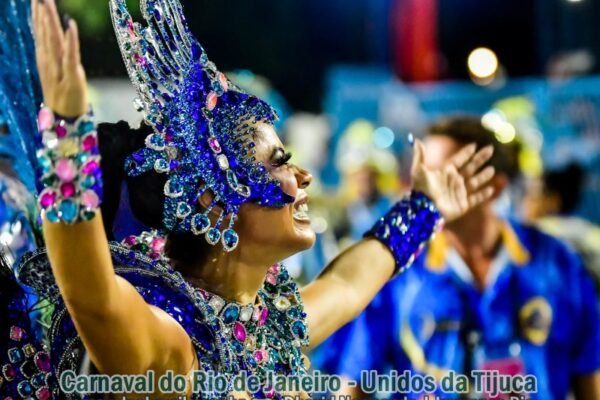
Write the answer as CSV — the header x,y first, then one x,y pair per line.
x,y
301,213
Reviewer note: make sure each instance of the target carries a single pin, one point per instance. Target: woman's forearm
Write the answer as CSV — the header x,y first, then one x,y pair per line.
x,y
351,281
81,264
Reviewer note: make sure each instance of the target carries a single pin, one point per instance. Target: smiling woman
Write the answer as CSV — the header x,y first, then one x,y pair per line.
x,y
208,172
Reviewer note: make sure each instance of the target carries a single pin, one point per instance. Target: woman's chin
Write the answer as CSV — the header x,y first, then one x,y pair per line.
x,y
304,233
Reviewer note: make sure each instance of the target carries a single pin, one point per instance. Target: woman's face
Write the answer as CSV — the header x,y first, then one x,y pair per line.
x,y
277,232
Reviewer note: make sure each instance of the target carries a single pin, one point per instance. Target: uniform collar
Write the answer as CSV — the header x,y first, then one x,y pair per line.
x,y
439,249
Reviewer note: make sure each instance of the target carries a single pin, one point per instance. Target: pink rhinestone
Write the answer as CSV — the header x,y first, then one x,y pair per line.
x,y
261,356
269,392
140,60
43,393
211,101
88,143
130,240
16,333
154,256
42,361
90,167
45,119
239,332
214,145
47,199
61,131
65,170
263,316
272,279
90,199
158,244
256,315
9,372
223,81
67,189
131,29
274,269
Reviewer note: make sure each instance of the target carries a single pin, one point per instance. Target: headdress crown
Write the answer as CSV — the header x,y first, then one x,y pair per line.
x,y
204,125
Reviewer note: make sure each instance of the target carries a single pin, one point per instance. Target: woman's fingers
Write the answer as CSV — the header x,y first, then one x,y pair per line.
x,y
72,58
479,180
478,160
418,155
34,15
461,158
479,197
55,38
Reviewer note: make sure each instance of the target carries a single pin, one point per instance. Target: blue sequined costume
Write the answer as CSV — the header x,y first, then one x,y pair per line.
x,y
218,349
228,338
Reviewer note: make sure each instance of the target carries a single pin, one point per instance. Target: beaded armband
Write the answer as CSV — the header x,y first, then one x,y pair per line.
x,y
407,228
70,166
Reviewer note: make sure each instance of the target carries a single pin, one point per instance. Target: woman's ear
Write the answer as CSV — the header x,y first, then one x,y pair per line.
x,y
205,201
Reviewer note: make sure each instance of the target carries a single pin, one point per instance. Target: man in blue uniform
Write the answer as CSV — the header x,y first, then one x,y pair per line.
x,y
487,295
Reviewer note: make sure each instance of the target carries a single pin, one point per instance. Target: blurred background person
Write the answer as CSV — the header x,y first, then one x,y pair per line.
x,y
368,205
487,294
550,202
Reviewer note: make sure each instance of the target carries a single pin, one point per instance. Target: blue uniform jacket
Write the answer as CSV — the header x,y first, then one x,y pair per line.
x,y
539,311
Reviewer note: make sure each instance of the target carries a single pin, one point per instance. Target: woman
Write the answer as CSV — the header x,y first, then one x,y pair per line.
x,y
210,170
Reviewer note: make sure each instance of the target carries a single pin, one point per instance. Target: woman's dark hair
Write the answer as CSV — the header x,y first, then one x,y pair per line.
x,y
146,194
567,183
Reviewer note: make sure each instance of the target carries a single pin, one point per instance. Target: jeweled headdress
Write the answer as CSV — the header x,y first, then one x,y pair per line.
x,y
203,124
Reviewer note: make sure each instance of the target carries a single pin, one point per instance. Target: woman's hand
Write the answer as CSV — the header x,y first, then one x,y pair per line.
x,y
459,185
59,62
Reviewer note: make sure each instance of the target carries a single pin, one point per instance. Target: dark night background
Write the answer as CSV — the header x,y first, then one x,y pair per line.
x,y
293,42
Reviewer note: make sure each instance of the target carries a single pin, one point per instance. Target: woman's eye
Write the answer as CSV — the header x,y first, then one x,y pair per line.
x,y
282,160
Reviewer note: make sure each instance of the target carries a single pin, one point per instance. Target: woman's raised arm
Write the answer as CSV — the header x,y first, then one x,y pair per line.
x,y
121,332
349,283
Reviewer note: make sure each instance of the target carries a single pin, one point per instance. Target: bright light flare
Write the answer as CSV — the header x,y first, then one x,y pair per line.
x,y
483,63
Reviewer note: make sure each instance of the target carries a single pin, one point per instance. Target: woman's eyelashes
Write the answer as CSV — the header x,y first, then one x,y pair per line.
x,y
280,158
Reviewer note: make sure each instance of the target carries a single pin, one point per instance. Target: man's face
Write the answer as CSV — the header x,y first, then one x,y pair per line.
x,y
438,150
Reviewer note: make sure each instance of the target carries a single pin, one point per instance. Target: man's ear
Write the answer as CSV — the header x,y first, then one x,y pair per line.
x,y
499,182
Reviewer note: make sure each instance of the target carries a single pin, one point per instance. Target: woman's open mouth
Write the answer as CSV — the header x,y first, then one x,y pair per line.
x,y
300,211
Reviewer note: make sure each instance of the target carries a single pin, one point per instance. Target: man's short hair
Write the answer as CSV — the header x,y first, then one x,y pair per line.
x,y
469,129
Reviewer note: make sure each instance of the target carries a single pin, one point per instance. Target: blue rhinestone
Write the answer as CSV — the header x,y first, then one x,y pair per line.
x,y
52,215
200,224
230,239
15,355
88,182
213,235
161,165
25,389
196,51
238,347
86,127
183,210
155,142
45,164
231,313
232,179
68,211
251,361
299,329
39,379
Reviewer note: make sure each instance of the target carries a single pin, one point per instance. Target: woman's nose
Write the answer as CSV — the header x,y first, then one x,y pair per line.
x,y
303,177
